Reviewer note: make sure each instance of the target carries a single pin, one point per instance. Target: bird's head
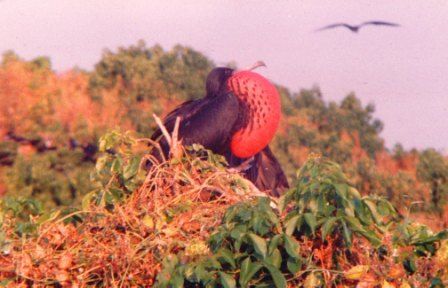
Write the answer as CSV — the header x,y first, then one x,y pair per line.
x,y
217,80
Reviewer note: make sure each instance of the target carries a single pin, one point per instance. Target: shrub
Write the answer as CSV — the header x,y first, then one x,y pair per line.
x,y
322,234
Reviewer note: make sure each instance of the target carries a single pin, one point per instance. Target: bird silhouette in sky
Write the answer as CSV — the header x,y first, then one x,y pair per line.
x,y
355,28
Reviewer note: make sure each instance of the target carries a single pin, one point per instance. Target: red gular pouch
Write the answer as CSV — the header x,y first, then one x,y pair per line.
x,y
261,102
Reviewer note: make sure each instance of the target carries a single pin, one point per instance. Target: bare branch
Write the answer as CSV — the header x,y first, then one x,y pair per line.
x,y
163,129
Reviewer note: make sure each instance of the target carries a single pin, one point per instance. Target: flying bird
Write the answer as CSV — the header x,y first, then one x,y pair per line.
x,y
355,28
237,118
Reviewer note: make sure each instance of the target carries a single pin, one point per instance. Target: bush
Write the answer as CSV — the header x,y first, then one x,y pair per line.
x,y
55,178
318,237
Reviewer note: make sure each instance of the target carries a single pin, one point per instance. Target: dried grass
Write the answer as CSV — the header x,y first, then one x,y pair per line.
x,y
175,209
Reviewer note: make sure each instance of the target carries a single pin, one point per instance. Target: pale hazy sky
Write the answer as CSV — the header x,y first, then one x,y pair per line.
x,y
403,71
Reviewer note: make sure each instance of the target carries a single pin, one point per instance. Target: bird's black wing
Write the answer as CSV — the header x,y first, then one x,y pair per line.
x,y
267,174
209,122
184,111
380,23
331,26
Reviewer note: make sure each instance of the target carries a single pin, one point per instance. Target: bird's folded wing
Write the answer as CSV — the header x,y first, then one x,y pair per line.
x,y
184,110
208,121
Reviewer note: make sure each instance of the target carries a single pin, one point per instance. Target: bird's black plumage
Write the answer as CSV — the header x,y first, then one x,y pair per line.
x,y
265,172
208,122
211,122
355,28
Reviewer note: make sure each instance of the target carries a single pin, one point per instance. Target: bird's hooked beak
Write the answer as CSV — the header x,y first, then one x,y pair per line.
x,y
253,66
256,65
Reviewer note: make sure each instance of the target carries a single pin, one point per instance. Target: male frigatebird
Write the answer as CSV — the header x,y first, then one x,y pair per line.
x,y
237,118
355,28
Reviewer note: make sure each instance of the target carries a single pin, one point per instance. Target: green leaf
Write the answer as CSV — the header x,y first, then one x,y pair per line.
x,y
383,208
341,190
409,265
431,239
212,262
202,272
277,276
291,224
132,168
269,214
372,237
310,219
323,205
47,217
354,193
87,199
282,203
238,232
227,256
291,246
116,193
294,265
101,163
248,270
437,283
188,273
361,212
328,227
354,224
275,259
238,243
346,233
373,210
116,165
259,244
273,244
227,281
177,281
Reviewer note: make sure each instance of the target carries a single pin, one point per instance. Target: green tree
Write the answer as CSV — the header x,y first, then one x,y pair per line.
x,y
148,72
433,169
